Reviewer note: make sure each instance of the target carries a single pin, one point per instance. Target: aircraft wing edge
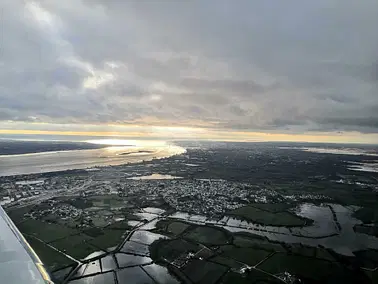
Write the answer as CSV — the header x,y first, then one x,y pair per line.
x,y
18,261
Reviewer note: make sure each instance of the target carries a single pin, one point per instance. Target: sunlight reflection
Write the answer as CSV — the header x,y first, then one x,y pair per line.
x,y
129,143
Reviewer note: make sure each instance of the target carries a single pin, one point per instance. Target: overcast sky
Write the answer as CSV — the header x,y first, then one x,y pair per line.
x,y
256,65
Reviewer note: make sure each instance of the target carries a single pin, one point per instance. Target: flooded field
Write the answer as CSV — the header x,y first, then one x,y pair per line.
x,y
365,167
324,231
197,245
154,176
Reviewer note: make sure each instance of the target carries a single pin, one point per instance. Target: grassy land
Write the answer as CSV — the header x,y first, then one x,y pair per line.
x,y
80,203
325,254
162,224
59,275
373,276
236,278
367,215
76,246
120,225
261,216
250,256
209,235
171,227
51,258
367,258
369,230
107,201
309,269
254,276
255,241
200,271
73,241
171,249
302,250
177,228
109,238
93,232
273,207
17,215
229,262
312,265
45,231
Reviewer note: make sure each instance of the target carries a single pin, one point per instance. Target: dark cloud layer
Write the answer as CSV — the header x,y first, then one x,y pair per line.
x,y
254,65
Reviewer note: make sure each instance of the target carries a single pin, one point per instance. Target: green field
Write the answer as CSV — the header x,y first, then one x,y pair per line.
x,y
273,207
254,277
17,215
108,238
226,261
73,241
108,201
236,278
162,224
80,203
171,227
93,232
269,218
50,257
325,254
367,258
366,229
177,228
309,268
367,215
119,225
209,235
76,246
59,275
225,255
372,275
255,241
302,250
204,272
171,249
45,231
250,256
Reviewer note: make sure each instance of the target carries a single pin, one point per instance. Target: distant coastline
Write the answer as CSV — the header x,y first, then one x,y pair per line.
x,y
17,147
44,157
136,152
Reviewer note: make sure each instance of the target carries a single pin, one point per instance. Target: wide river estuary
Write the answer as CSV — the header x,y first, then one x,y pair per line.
x,y
83,159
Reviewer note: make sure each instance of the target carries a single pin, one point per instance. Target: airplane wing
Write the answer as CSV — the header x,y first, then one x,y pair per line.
x,y
18,262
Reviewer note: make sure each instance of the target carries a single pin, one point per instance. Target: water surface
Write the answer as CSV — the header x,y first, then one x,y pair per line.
x,y
324,231
125,260
82,159
154,176
160,274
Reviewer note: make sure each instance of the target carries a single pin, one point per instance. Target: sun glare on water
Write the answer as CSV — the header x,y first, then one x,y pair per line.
x,y
138,147
121,142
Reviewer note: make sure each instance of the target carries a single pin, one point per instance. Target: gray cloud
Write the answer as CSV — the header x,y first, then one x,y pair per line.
x,y
253,65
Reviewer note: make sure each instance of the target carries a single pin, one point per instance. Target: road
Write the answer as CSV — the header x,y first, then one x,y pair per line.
x,y
55,193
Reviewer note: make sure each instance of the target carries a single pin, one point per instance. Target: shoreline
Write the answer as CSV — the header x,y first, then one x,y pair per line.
x,y
61,161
